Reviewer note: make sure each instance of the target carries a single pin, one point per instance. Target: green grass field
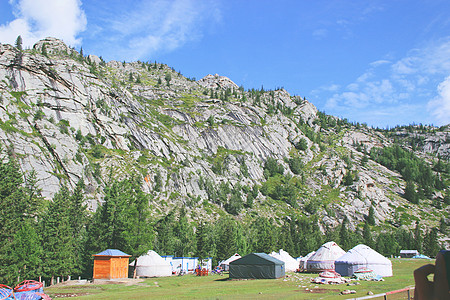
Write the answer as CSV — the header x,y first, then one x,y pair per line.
x,y
296,286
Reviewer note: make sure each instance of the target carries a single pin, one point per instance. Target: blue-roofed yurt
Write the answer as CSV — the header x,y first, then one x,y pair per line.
x,y
257,266
111,264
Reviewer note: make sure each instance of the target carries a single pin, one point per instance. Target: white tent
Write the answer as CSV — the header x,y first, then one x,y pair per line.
x,y
290,263
226,263
324,257
304,259
363,256
152,265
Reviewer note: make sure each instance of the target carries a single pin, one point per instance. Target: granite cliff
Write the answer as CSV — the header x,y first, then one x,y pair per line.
x,y
69,117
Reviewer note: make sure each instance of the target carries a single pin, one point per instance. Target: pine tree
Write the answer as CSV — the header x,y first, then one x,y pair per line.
x,y
371,216
78,218
348,178
225,238
19,43
264,237
410,193
20,204
418,237
201,239
430,243
168,78
184,234
367,235
165,239
443,227
44,49
26,253
122,222
344,236
59,254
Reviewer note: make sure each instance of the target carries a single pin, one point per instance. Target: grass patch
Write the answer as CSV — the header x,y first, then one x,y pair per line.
x,y
297,286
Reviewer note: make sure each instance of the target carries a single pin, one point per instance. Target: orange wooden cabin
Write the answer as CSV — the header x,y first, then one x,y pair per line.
x,y
111,264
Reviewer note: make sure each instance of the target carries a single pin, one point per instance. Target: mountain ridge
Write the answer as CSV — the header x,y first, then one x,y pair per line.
x,y
71,117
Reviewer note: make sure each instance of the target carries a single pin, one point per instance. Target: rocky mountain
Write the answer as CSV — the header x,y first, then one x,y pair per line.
x,y
207,145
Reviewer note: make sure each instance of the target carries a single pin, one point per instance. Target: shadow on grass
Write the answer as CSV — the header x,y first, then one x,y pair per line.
x,y
222,279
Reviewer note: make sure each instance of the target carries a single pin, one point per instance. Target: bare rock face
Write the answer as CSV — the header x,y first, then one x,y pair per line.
x,y
70,118
52,46
216,81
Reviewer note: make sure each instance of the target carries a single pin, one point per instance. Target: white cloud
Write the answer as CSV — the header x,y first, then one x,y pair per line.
x,y
379,62
320,33
408,82
440,105
158,26
37,19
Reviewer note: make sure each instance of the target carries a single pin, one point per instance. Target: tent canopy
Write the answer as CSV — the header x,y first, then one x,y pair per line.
x,y
362,256
257,259
257,266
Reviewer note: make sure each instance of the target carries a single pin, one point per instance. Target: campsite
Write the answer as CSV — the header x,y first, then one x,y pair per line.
x,y
293,286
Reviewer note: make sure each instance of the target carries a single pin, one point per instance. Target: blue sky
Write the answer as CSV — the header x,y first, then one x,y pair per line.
x,y
384,63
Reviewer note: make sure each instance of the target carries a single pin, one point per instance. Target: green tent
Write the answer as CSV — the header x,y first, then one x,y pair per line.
x,y
257,266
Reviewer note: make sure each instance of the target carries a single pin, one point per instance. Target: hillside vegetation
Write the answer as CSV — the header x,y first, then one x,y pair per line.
x,y
199,167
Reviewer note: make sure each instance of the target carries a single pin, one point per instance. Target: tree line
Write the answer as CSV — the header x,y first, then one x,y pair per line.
x,y
58,237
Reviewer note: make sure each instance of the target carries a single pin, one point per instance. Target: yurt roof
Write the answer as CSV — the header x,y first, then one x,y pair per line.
x,y
361,254
328,251
230,259
307,256
284,256
151,259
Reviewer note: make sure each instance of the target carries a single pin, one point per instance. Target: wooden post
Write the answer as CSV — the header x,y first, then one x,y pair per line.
x,y
52,281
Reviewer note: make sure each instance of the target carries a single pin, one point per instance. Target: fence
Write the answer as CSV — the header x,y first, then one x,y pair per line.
x,y
403,294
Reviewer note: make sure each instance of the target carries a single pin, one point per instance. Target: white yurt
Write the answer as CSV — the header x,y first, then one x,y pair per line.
x,y
152,265
323,259
363,256
290,263
304,259
225,265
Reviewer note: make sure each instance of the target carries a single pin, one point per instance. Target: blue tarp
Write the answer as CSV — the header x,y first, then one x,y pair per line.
x,y
421,256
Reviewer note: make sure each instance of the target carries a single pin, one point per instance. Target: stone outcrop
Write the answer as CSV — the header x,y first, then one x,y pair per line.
x,y
70,118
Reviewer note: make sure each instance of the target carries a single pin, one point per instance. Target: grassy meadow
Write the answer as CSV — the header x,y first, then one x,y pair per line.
x,y
295,286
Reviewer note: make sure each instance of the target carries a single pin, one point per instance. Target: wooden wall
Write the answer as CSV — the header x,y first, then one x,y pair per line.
x,y
107,267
